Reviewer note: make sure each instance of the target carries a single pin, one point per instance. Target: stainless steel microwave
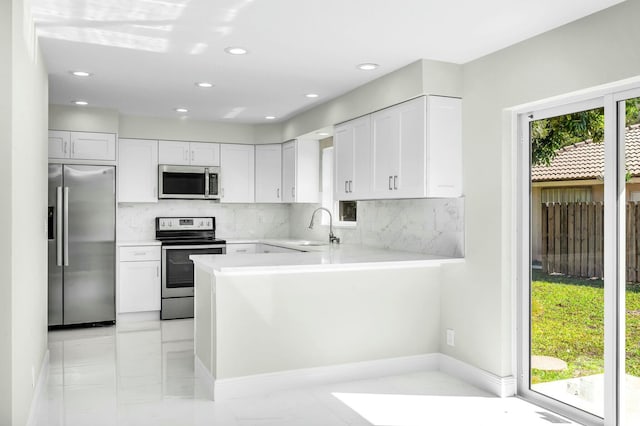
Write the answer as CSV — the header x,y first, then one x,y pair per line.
x,y
188,182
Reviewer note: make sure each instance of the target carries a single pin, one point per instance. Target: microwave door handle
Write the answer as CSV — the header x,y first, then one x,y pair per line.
x,y
206,182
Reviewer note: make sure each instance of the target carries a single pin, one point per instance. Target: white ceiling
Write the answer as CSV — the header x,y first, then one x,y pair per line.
x,y
146,55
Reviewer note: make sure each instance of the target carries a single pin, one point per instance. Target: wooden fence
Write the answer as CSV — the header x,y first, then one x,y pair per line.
x,y
573,239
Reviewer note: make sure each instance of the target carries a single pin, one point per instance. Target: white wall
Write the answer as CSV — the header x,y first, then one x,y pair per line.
x,y
83,119
477,296
418,78
5,213
91,119
24,302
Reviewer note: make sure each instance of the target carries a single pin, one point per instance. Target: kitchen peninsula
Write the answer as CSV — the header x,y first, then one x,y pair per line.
x,y
276,320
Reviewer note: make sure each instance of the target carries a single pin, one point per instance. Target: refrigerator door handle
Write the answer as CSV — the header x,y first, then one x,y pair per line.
x,y
66,226
59,226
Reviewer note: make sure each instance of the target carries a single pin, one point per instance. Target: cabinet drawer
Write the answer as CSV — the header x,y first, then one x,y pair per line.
x,y
139,253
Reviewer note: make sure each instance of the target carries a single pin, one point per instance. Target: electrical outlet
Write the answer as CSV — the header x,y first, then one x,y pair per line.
x,y
33,377
451,336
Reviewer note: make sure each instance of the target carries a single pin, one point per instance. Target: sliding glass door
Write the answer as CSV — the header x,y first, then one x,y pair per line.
x,y
579,262
629,135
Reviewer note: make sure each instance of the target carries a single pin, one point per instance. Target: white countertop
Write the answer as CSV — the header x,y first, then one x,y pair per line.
x,y
129,243
323,257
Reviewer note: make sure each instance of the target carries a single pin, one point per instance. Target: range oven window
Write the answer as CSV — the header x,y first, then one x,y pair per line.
x,y
183,183
179,268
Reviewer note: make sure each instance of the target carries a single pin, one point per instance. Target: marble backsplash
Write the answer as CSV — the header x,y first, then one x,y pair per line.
x,y
137,221
431,226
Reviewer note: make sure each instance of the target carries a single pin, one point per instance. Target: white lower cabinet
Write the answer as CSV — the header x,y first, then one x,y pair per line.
x,y
243,248
139,279
251,248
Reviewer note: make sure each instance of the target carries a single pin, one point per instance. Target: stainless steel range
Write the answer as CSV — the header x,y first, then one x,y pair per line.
x,y
182,237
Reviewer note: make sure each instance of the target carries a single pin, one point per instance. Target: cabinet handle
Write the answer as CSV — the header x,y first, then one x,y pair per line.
x,y
346,186
73,148
278,193
293,191
350,189
139,253
395,182
185,155
222,193
192,155
390,179
64,146
241,251
157,272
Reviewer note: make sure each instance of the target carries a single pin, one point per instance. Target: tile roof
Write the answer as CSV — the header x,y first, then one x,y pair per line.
x,y
585,160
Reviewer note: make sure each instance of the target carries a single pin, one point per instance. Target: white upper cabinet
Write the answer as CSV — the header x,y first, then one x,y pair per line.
x,y
137,171
204,154
416,149
173,152
189,153
301,171
93,146
352,159
237,173
289,172
82,146
269,173
444,147
59,144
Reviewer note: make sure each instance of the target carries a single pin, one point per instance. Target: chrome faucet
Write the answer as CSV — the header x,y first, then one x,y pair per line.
x,y
332,237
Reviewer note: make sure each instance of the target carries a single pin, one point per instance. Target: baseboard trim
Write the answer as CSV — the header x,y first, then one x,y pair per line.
x,y
261,384
138,316
39,392
500,386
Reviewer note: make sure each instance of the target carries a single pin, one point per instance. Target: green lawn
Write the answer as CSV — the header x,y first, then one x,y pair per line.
x,y
567,323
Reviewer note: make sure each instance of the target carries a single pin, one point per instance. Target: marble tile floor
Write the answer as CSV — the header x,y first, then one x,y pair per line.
x,y
143,374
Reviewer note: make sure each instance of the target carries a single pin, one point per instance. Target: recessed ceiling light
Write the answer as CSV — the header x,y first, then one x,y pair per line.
x,y
322,134
312,95
269,117
181,110
368,66
80,73
204,84
82,103
236,50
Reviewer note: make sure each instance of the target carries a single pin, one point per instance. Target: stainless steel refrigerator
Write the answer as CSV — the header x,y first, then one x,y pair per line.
x,y
81,244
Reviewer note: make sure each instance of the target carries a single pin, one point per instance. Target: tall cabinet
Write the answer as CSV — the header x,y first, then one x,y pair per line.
x,y
300,166
137,171
269,173
237,173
